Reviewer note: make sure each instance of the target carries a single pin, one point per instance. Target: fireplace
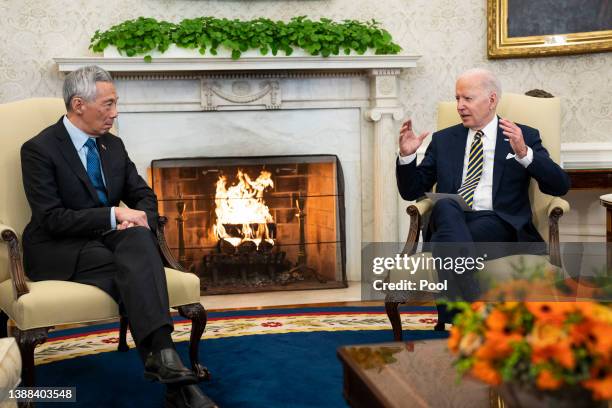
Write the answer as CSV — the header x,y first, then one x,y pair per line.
x,y
250,224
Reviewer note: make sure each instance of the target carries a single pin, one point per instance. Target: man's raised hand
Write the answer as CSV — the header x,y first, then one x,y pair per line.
x,y
515,137
409,142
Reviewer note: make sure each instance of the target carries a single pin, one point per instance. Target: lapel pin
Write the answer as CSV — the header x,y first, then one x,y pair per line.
x,y
103,147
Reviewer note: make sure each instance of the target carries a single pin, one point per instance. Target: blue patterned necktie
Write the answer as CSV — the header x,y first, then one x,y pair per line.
x,y
94,172
474,170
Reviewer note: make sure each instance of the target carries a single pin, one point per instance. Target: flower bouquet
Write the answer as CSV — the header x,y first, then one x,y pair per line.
x,y
537,353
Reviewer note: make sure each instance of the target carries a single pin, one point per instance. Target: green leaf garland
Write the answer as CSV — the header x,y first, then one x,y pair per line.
x,y
206,34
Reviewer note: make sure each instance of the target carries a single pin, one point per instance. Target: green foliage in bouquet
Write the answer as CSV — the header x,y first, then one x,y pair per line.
x,y
206,34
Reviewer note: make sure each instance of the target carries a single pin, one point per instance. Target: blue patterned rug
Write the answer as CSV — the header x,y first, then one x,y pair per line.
x,y
258,358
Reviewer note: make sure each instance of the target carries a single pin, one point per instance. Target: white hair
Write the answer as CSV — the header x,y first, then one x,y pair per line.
x,y
82,83
489,81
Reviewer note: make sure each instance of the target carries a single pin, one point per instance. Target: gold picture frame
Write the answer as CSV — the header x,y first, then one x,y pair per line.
x,y
501,45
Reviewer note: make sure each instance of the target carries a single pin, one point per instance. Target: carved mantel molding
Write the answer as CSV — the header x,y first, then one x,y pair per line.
x,y
304,64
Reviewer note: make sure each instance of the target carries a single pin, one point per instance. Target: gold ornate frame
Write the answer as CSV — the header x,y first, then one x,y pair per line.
x,y
499,45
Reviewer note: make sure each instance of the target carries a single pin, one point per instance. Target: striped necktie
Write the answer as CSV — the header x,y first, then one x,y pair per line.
x,y
474,170
94,172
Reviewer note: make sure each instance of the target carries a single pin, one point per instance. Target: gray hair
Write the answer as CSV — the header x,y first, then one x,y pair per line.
x,y
82,83
488,80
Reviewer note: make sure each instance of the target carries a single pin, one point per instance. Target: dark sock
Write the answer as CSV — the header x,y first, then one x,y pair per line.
x,y
161,339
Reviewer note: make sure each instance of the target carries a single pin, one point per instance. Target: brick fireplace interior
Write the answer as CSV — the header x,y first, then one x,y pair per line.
x,y
251,224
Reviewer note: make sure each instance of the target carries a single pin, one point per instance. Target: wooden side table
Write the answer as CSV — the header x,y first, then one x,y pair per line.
x,y
422,375
590,179
606,201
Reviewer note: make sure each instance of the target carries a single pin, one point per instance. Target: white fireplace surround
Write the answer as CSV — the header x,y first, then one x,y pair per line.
x,y
348,106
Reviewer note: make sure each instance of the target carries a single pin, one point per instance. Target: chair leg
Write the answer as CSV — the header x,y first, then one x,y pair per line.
x,y
27,340
123,327
197,314
392,309
3,323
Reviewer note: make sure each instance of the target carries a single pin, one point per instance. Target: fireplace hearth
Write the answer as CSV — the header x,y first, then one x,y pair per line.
x,y
251,224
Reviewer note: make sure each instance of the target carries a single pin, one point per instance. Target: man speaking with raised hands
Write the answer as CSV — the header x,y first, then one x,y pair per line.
x,y
488,161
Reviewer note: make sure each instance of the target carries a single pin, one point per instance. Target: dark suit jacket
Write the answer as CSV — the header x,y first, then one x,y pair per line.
x,y
66,211
443,164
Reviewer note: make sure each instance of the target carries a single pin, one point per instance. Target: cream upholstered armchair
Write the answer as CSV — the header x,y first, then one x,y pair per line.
x,y
543,114
35,307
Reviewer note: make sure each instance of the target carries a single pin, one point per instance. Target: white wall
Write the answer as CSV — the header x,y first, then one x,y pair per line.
x,y
449,34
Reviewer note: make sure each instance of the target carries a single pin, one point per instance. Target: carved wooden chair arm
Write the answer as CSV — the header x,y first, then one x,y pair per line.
x,y
20,287
167,257
556,209
558,203
423,207
416,212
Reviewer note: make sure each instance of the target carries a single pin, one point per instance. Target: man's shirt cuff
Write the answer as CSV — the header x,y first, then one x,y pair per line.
x,y
406,159
113,220
525,161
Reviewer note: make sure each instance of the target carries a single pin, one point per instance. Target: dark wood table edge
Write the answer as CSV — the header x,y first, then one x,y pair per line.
x,y
372,397
590,179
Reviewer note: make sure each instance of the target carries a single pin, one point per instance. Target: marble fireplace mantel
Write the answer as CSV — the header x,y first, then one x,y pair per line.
x,y
327,86
262,63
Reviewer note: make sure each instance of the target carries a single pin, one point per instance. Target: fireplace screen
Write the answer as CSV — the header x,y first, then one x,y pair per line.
x,y
247,224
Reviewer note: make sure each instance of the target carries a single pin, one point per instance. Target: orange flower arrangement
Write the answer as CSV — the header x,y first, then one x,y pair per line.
x,y
553,346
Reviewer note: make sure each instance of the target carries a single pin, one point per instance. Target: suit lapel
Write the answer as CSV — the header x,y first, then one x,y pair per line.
x,y
72,158
105,158
458,156
502,148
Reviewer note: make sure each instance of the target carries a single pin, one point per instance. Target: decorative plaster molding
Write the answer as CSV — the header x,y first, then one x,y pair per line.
x,y
156,76
162,76
287,74
215,98
384,92
376,114
384,72
387,87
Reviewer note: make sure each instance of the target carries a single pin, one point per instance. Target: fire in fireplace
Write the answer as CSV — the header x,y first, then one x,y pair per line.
x,y
255,223
242,208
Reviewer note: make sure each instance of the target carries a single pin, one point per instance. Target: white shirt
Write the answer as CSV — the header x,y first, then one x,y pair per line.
x,y
79,138
483,195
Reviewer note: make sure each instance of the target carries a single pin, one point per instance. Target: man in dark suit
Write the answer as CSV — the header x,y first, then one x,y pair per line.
x,y
75,173
487,160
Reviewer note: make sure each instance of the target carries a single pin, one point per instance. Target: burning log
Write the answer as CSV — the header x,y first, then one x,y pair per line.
x,y
247,247
226,247
265,247
265,230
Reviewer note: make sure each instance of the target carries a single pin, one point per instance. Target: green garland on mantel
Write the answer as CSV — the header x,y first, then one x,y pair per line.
x,y
206,34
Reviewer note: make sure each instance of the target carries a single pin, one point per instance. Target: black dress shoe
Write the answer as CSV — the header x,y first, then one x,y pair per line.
x,y
187,396
166,367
